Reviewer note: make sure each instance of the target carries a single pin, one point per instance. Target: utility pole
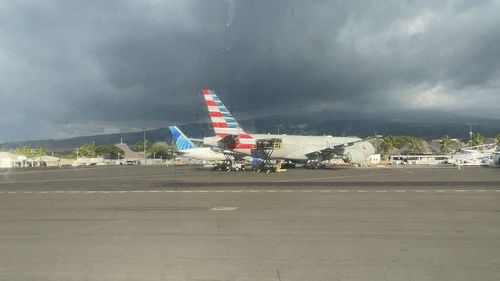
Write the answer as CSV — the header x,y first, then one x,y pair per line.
x,y
279,129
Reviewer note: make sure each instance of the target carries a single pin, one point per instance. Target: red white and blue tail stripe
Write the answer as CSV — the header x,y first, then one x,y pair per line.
x,y
224,123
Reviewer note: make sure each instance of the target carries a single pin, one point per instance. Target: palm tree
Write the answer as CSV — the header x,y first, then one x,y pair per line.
x,y
446,144
415,144
498,139
477,139
388,144
87,150
40,152
139,146
24,150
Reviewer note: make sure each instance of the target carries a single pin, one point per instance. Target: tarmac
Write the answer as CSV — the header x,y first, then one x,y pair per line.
x,y
188,223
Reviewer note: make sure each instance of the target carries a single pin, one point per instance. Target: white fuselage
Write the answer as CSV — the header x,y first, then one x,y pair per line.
x,y
294,147
202,153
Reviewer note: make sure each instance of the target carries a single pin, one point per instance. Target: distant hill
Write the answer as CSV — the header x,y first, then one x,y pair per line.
x,y
427,125
155,135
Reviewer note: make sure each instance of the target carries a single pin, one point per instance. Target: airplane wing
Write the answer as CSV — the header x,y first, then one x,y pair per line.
x,y
335,149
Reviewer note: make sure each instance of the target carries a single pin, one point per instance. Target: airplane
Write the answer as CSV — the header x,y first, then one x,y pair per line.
x,y
473,156
496,156
189,150
218,157
299,149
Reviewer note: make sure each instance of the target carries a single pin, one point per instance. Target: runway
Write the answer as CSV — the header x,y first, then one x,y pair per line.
x,y
159,223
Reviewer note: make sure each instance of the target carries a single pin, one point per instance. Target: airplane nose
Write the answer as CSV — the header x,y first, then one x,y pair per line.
x,y
369,149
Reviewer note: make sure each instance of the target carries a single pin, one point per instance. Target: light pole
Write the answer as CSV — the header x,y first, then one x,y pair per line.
x,y
470,131
144,144
279,129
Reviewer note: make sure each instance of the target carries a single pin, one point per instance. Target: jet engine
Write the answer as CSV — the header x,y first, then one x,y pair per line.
x,y
353,157
252,160
358,153
496,159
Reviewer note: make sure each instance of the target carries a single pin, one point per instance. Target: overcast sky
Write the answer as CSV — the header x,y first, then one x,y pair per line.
x,y
70,68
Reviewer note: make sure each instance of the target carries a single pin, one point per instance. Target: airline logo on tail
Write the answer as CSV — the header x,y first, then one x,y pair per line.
x,y
181,141
224,123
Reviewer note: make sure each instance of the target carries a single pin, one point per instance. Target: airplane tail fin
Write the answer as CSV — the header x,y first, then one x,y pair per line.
x,y
222,120
224,123
181,141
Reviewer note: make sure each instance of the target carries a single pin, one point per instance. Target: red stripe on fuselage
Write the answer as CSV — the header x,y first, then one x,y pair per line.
x,y
245,146
245,136
210,103
206,92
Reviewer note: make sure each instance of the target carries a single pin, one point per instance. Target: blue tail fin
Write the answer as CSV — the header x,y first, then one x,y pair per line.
x,y
181,141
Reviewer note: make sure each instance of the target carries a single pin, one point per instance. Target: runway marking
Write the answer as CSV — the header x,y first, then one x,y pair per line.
x,y
251,191
224,209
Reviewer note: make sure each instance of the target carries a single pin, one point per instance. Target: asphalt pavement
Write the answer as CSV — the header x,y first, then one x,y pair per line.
x,y
186,223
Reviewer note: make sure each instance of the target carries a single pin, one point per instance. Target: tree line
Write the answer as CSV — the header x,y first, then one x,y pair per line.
x,y
389,143
106,151
110,151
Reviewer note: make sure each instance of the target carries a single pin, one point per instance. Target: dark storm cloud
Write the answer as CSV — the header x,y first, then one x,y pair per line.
x,y
83,67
